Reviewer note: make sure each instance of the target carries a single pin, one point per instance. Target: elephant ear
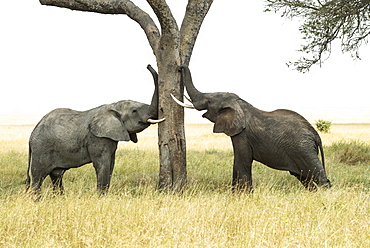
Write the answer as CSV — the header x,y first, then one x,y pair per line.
x,y
133,137
230,120
106,124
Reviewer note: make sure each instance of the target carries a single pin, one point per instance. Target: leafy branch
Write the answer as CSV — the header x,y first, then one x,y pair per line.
x,y
323,22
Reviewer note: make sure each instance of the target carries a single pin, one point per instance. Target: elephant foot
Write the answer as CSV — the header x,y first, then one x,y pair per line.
x,y
242,188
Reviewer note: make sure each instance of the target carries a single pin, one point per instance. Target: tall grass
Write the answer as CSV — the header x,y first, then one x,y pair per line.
x,y
197,218
280,212
351,152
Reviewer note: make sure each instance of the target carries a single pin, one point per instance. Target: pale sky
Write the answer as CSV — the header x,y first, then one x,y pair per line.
x,y
52,57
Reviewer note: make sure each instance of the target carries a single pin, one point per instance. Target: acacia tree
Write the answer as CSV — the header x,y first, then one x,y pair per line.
x,y
172,47
325,21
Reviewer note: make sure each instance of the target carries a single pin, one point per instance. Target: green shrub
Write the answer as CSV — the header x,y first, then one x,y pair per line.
x,y
350,152
323,126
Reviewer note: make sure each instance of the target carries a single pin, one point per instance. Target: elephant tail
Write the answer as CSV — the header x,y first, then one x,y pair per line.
x,y
322,155
28,180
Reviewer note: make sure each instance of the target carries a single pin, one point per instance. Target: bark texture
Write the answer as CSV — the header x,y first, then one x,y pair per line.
x,y
172,47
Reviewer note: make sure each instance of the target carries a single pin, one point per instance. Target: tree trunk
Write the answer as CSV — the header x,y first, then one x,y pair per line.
x,y
171,134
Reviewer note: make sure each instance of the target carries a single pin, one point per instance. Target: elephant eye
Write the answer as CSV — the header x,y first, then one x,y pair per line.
x,y
134,111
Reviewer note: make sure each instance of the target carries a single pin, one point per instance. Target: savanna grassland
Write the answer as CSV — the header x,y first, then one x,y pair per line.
x,y
280,212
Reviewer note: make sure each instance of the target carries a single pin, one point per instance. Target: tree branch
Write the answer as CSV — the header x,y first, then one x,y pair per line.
x,y
324,22
196,11
164,15
170,35
125,7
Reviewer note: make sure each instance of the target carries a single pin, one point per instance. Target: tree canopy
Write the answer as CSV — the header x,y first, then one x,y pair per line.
x,y
324,21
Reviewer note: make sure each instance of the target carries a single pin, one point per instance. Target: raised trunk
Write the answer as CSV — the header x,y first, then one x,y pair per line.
x,y
195,95
153,110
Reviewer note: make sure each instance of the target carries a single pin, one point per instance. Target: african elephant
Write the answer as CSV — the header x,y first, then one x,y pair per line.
x,y
66,138
281,139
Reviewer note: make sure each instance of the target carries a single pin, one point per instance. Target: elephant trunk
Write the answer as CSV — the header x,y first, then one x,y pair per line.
x,y
153,109
195,95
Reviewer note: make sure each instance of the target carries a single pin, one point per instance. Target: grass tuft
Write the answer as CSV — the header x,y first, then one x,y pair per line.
x,y
352,152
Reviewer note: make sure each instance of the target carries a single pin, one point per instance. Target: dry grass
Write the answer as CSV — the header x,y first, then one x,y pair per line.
x,y
340,132
200,219
280,213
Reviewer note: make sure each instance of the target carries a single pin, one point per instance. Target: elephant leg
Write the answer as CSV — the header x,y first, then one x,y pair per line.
x,y
317,177
311,172
102,156
103,169
306,181
103,176
113,158
309,184
320,178
242,178
57,179
38,173
37,180
242,168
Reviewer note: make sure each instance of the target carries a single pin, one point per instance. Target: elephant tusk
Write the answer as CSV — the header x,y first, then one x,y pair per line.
x,y
187,98
155,121
181,103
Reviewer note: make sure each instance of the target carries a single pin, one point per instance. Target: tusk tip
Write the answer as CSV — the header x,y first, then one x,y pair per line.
x,y
181,103
155,121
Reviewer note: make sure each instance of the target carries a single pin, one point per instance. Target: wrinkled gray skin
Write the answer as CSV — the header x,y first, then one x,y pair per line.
x,y
66,138
281,139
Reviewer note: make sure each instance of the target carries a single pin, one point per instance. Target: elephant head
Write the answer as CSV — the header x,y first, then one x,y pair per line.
x,y
223,108
121,121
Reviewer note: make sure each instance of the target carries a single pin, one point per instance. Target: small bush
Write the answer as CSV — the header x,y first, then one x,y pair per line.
x,y
351,152
323,126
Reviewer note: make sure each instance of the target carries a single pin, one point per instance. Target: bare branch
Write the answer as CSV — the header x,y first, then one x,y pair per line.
x,y
114,7
170,35
196,11
164,15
